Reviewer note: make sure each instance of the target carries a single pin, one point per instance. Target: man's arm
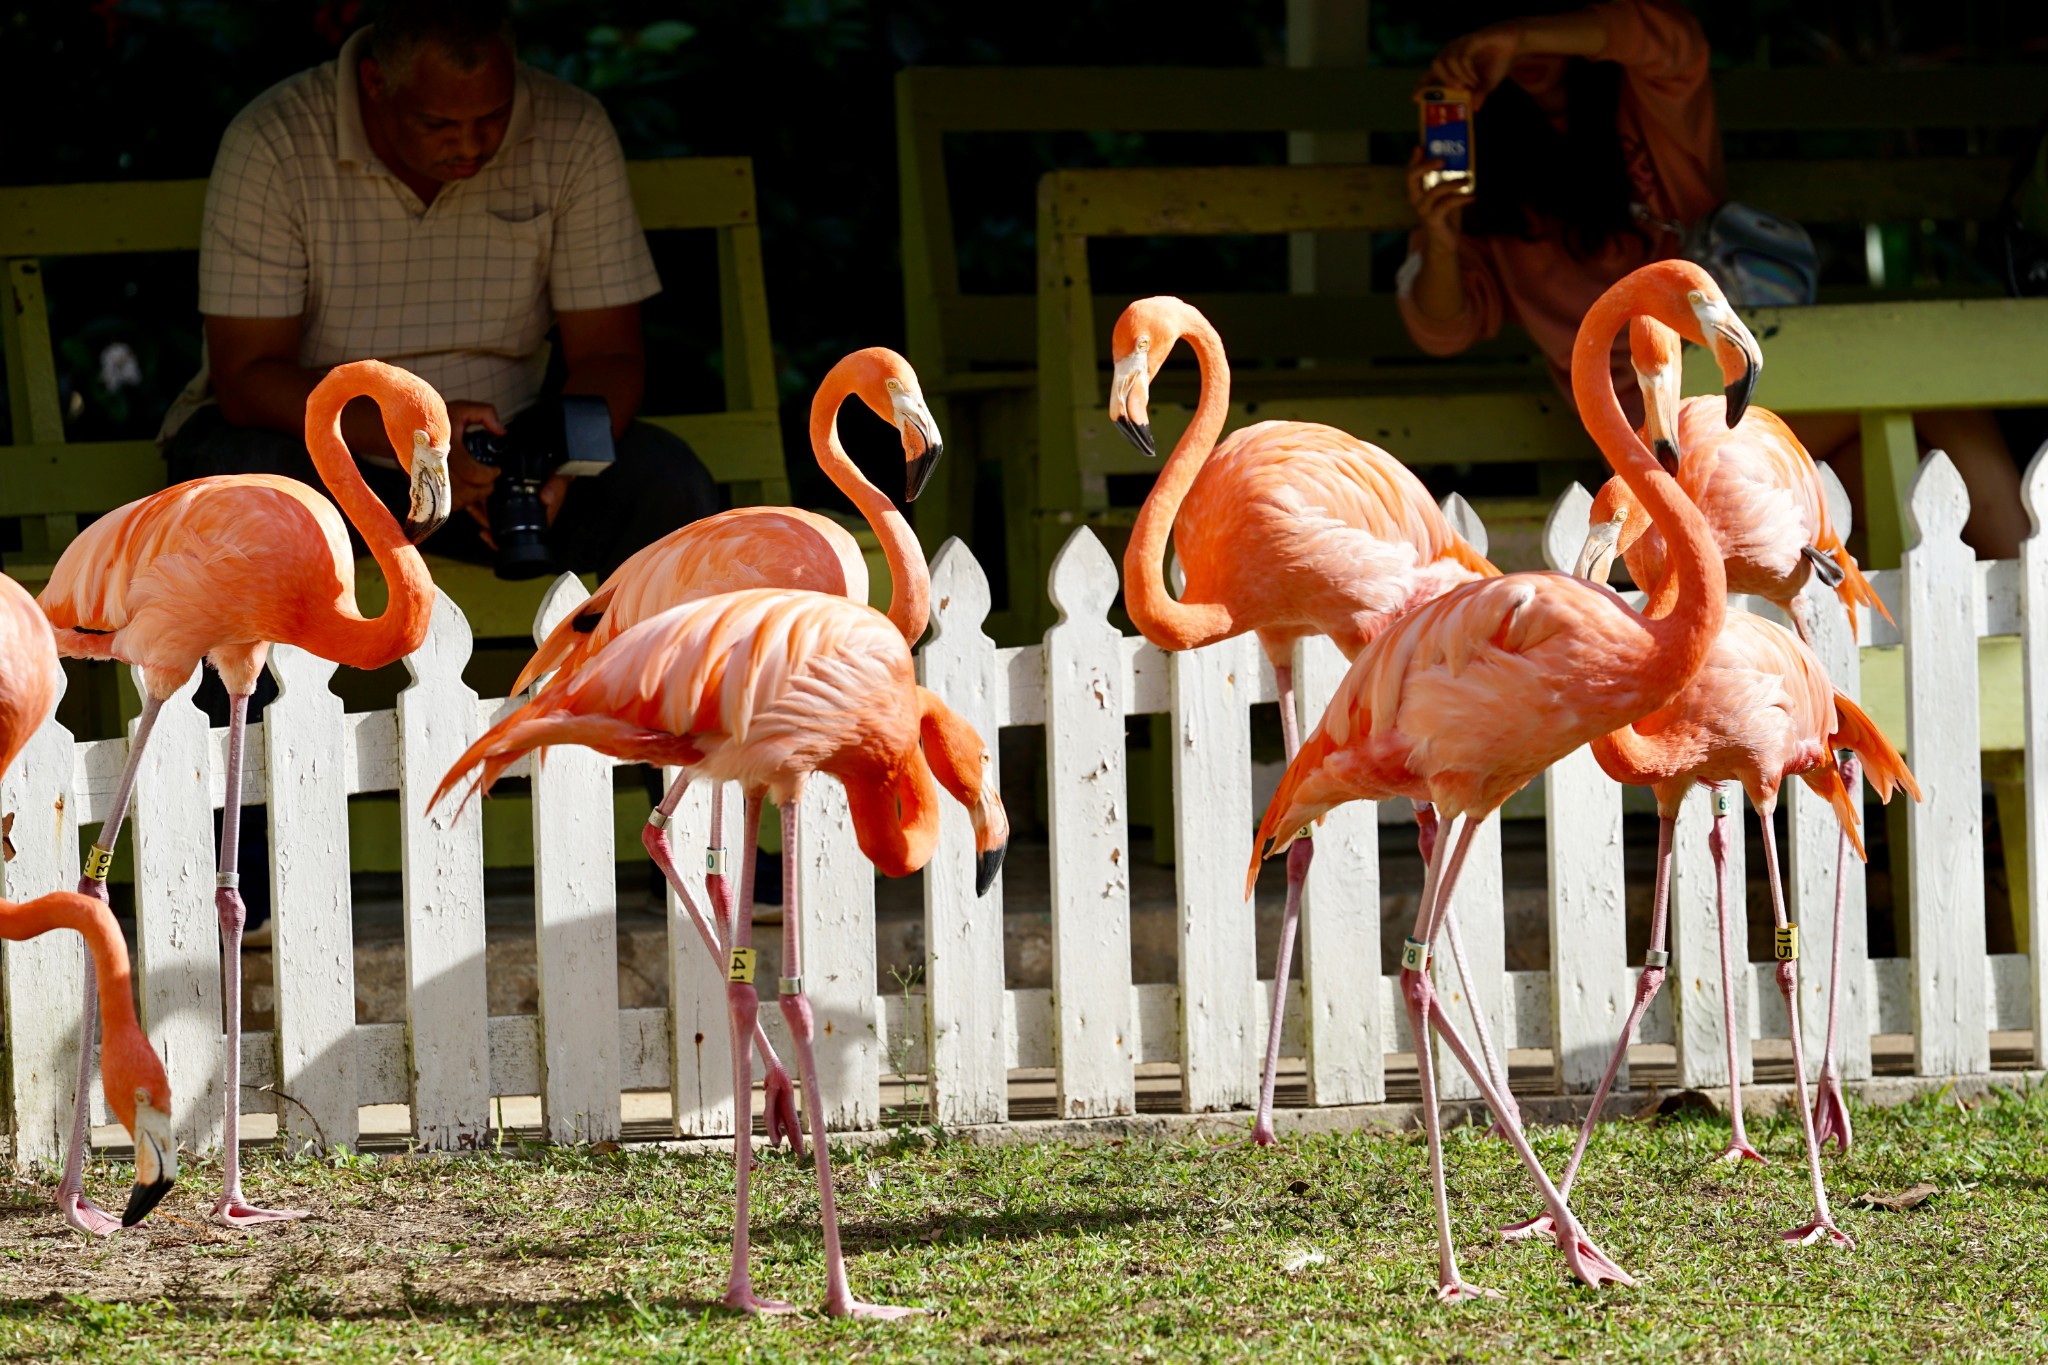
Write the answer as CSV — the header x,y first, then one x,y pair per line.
x,y
604,354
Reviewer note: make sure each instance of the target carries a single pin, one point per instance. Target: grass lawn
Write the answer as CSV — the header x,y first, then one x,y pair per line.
x,y
1318,1249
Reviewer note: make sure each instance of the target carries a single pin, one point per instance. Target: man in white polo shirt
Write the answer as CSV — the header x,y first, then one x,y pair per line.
x,y
430,201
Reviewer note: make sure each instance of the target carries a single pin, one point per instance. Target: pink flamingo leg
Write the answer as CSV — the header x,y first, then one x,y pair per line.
x,y
1647,986
80,1212
1425,840
781,1115
1823,1222
1830,1110
1738,1148
1425,1012
1298,859
796,1010
231,1208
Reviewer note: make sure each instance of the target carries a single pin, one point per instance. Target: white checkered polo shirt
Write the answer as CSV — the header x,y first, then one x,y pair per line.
x,y
303,220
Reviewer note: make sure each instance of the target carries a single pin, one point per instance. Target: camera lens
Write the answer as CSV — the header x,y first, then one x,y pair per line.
x,y
518,524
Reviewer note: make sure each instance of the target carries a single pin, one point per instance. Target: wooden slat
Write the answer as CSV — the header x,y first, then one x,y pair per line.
x,y
733,445
963,933
1087,815
101,218
838,902
1478,903
442,886
1694,985
1945,188
2033,589
701,1078
91,476
1946,832
1231,199
693,192
314,957
575,903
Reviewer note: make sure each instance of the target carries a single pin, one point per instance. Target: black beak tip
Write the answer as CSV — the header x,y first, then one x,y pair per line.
x,y
1738,395
986,867
921,472
1667,455
417,531
141,1200
1139,434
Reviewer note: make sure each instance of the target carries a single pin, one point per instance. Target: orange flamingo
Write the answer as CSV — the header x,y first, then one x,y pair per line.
x,y
220,568
1462,701
759,547
766,688
1286,529
130,1074
1759,490
1760,710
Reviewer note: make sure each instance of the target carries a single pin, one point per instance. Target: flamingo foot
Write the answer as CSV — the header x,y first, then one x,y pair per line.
x,y
851,1307
1831,1114
747,1301
236,1213
1587,1261
1739,1150
85,1216
1529,1229
1462,1291
1819,1228
781,1117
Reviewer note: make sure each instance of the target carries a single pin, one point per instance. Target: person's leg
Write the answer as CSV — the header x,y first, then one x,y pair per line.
x,y
1998,520
655,485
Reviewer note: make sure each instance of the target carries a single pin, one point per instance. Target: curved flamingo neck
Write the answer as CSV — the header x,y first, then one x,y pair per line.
x,y
345,636
95,924
895,815
1685,614
1635,759
910,582
1165,621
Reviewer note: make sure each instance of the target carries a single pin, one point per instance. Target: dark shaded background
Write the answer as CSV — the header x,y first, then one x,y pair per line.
x,y
141,89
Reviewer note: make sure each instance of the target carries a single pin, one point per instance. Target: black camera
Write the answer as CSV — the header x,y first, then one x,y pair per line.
x,y
570,435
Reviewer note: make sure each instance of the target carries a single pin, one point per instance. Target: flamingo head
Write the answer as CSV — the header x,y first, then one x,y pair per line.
x,y
1138,346
1653,349
889,387
416,421
1612,528
962,764
1735,350
140,1097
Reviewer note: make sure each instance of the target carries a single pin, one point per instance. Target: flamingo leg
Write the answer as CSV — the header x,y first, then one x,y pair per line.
x,y
94,882
231,1208
796,1011
1647,986
743,1011
1830,1110
1739,1148
1425,1012
80,1212
654,837
1298,858
1823,1222
1425,840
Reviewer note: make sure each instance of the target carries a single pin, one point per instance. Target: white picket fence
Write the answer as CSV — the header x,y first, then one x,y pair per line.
x,y
966,1032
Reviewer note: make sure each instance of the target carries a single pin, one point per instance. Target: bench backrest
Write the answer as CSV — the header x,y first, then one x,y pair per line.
x,y
50,483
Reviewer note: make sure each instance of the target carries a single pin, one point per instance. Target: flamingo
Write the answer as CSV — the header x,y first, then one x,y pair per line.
x,y
1759,490
131,1075
766,688
759,547
1286,529
1760,710
1462,701
220,568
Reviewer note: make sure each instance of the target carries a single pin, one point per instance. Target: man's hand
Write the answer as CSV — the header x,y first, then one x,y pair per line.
x,y
469,482
1478,61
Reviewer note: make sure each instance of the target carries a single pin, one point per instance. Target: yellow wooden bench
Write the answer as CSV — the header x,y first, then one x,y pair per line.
x,y
51,483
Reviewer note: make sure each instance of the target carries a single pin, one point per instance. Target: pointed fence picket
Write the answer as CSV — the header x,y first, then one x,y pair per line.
x,y
963,1033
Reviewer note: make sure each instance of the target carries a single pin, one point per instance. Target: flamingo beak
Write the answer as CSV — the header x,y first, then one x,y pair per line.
x,y
921,444
1129,399
431,500
1734,348
991,837
156,1163
1596,556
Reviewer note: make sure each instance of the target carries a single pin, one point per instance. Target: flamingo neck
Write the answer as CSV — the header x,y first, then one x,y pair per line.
x,y
910,581
1164,620
95,924
1685,613
344,635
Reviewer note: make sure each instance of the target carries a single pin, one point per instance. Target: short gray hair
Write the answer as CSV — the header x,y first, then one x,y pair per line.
x,y
465,30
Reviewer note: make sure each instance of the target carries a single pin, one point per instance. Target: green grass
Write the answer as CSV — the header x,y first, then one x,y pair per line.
x,y
1136,1250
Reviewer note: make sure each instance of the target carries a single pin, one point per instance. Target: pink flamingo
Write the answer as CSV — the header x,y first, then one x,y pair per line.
x,y
1286,529
217,570
1759,490
1462,701
762,547
1760,710
766,688
131,1076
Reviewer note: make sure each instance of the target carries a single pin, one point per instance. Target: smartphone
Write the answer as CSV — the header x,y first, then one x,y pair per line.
x,y
1447,134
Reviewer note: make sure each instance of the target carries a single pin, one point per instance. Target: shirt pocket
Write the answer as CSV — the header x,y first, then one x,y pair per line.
x,y
499,282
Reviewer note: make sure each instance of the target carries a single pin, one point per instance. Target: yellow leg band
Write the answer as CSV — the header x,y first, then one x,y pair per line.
x,y
739,966
1788,943
99,862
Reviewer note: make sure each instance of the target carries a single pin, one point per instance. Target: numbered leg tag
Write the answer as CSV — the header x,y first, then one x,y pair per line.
x,y
1414,956
739,966
99,862
1788,943
1724,802
714,863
